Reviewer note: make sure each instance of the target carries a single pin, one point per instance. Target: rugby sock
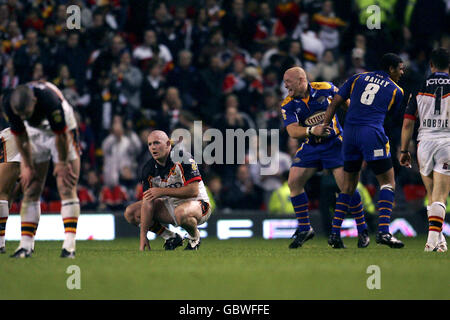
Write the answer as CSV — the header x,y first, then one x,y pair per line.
x,y
385,204
30,212
161,231
4,212
342,203
70,211
300,204
435,221
357,211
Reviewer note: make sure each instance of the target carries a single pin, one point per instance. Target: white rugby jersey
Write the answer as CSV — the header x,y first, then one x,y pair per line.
x,y
431,106
173,175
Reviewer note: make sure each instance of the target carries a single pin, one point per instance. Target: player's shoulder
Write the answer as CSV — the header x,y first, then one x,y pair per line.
x,y
400,89
288,100
323,85
148,167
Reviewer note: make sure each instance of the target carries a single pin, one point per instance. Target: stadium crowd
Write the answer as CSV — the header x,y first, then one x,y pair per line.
x,y
138,65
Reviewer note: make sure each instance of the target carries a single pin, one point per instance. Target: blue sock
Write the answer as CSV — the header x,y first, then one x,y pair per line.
x,y
357,211
342,204
300,204
385,204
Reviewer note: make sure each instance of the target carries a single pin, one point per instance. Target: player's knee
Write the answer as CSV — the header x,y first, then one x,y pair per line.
x,y
294,185
129,215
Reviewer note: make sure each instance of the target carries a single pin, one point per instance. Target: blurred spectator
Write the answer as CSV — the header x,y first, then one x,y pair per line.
x,y
328,24
38,72
313,47
280,200
214,12
241,192
357,62
186,78
64,79
127,80
238,24
215,190
211,80
327,69
153,90
10,80
270,116
151,49
89,191
119,151
267,25
74,56
28,55
171,107
159,17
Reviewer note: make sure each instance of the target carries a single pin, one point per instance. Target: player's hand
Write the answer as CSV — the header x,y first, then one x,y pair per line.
x,y
153,193
405,160
64,170
144,243
321,131
27,175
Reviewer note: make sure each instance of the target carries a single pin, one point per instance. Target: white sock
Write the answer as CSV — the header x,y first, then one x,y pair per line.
x,y
30,212
4,213
436,216
442,237
70,211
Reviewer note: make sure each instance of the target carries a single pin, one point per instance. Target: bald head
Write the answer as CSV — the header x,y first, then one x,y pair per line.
x,y
159,146
295,82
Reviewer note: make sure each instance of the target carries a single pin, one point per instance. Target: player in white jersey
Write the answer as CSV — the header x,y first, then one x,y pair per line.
x,y
9,173
431,107
44,108
174,193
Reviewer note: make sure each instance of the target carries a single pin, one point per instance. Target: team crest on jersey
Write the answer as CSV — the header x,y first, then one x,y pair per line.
x,y
193,164
57,116
315,119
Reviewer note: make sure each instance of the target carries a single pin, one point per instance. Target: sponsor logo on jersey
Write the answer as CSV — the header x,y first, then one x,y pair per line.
x,y
315,119
438,81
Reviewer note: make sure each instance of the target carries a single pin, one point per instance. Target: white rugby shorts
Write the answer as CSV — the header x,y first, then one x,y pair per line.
x,y
434,155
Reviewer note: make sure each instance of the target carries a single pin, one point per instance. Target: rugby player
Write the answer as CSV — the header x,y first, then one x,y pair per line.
x,y
372,95
431,107
43,107
303,110
174,193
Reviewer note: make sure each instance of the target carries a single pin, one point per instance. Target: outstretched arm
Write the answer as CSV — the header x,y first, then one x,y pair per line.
x,y
407,132
185,192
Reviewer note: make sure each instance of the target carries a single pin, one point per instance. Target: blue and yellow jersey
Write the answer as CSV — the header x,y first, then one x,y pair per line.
x,y
310,111
372,95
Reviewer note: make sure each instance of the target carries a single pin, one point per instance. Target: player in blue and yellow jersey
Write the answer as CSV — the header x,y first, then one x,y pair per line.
x,y
372,95
303,110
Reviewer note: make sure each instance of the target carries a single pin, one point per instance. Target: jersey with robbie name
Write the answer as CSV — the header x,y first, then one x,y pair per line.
x,y
431,106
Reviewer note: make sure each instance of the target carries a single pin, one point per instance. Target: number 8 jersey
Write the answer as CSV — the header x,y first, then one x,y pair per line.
x,y
372,95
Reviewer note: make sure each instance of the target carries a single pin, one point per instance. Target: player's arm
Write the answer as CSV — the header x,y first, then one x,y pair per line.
x,y
409,121
332,107
297,131
185,192
146,219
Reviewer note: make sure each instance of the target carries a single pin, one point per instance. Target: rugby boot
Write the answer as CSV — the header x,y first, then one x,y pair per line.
x,y
389,240
67,254
173,243
300,237
21,253
363,239
335,241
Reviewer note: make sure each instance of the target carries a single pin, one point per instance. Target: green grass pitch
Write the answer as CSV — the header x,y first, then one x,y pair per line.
x,y
229,269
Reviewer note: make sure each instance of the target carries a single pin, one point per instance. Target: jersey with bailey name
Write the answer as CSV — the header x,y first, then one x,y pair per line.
x,y
372,95
174,174
310,111
431,105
